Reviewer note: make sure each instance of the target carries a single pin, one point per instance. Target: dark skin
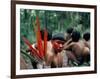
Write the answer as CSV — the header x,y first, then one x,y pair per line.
x,y
69,52
79,50
68,33
46,57
87,43
54,56
86,52
78,47
86,39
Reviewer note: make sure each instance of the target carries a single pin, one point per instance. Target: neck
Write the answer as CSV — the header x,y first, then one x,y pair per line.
x,y
55,52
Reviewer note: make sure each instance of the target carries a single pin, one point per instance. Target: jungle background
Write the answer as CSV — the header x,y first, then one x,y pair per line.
x,y
54,21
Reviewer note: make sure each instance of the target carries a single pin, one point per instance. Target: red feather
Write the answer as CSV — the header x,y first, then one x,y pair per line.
x,y
34,51
39,40
45,41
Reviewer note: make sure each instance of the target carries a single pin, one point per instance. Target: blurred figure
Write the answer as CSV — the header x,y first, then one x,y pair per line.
x,y
80,51
86,37
68,38
68,33
86,40
76,47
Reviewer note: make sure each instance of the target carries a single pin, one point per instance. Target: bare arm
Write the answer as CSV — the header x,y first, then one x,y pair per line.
x,y
68,42
68,46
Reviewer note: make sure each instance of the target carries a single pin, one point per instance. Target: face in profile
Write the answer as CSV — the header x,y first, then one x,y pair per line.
x,y
57,45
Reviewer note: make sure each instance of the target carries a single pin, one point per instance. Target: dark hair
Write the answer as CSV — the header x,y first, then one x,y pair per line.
x,y
48,37
69,30
76,36
86,36
58,36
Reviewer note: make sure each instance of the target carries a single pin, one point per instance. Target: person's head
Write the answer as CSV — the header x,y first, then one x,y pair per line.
x,y
76,36
69,30
68,33
86,36
49,35
58,41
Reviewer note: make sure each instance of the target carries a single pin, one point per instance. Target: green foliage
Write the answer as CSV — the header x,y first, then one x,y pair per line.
x,y
54,21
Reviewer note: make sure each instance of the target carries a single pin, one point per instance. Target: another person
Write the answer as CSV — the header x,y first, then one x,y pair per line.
x,y
76,47
68,33
86,40
42,64
86,37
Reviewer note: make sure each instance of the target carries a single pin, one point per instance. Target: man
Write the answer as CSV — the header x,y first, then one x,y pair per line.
x,y
86,37
68,33
86,40
55,54
79,49
54,57
76,47
43,63
69,53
